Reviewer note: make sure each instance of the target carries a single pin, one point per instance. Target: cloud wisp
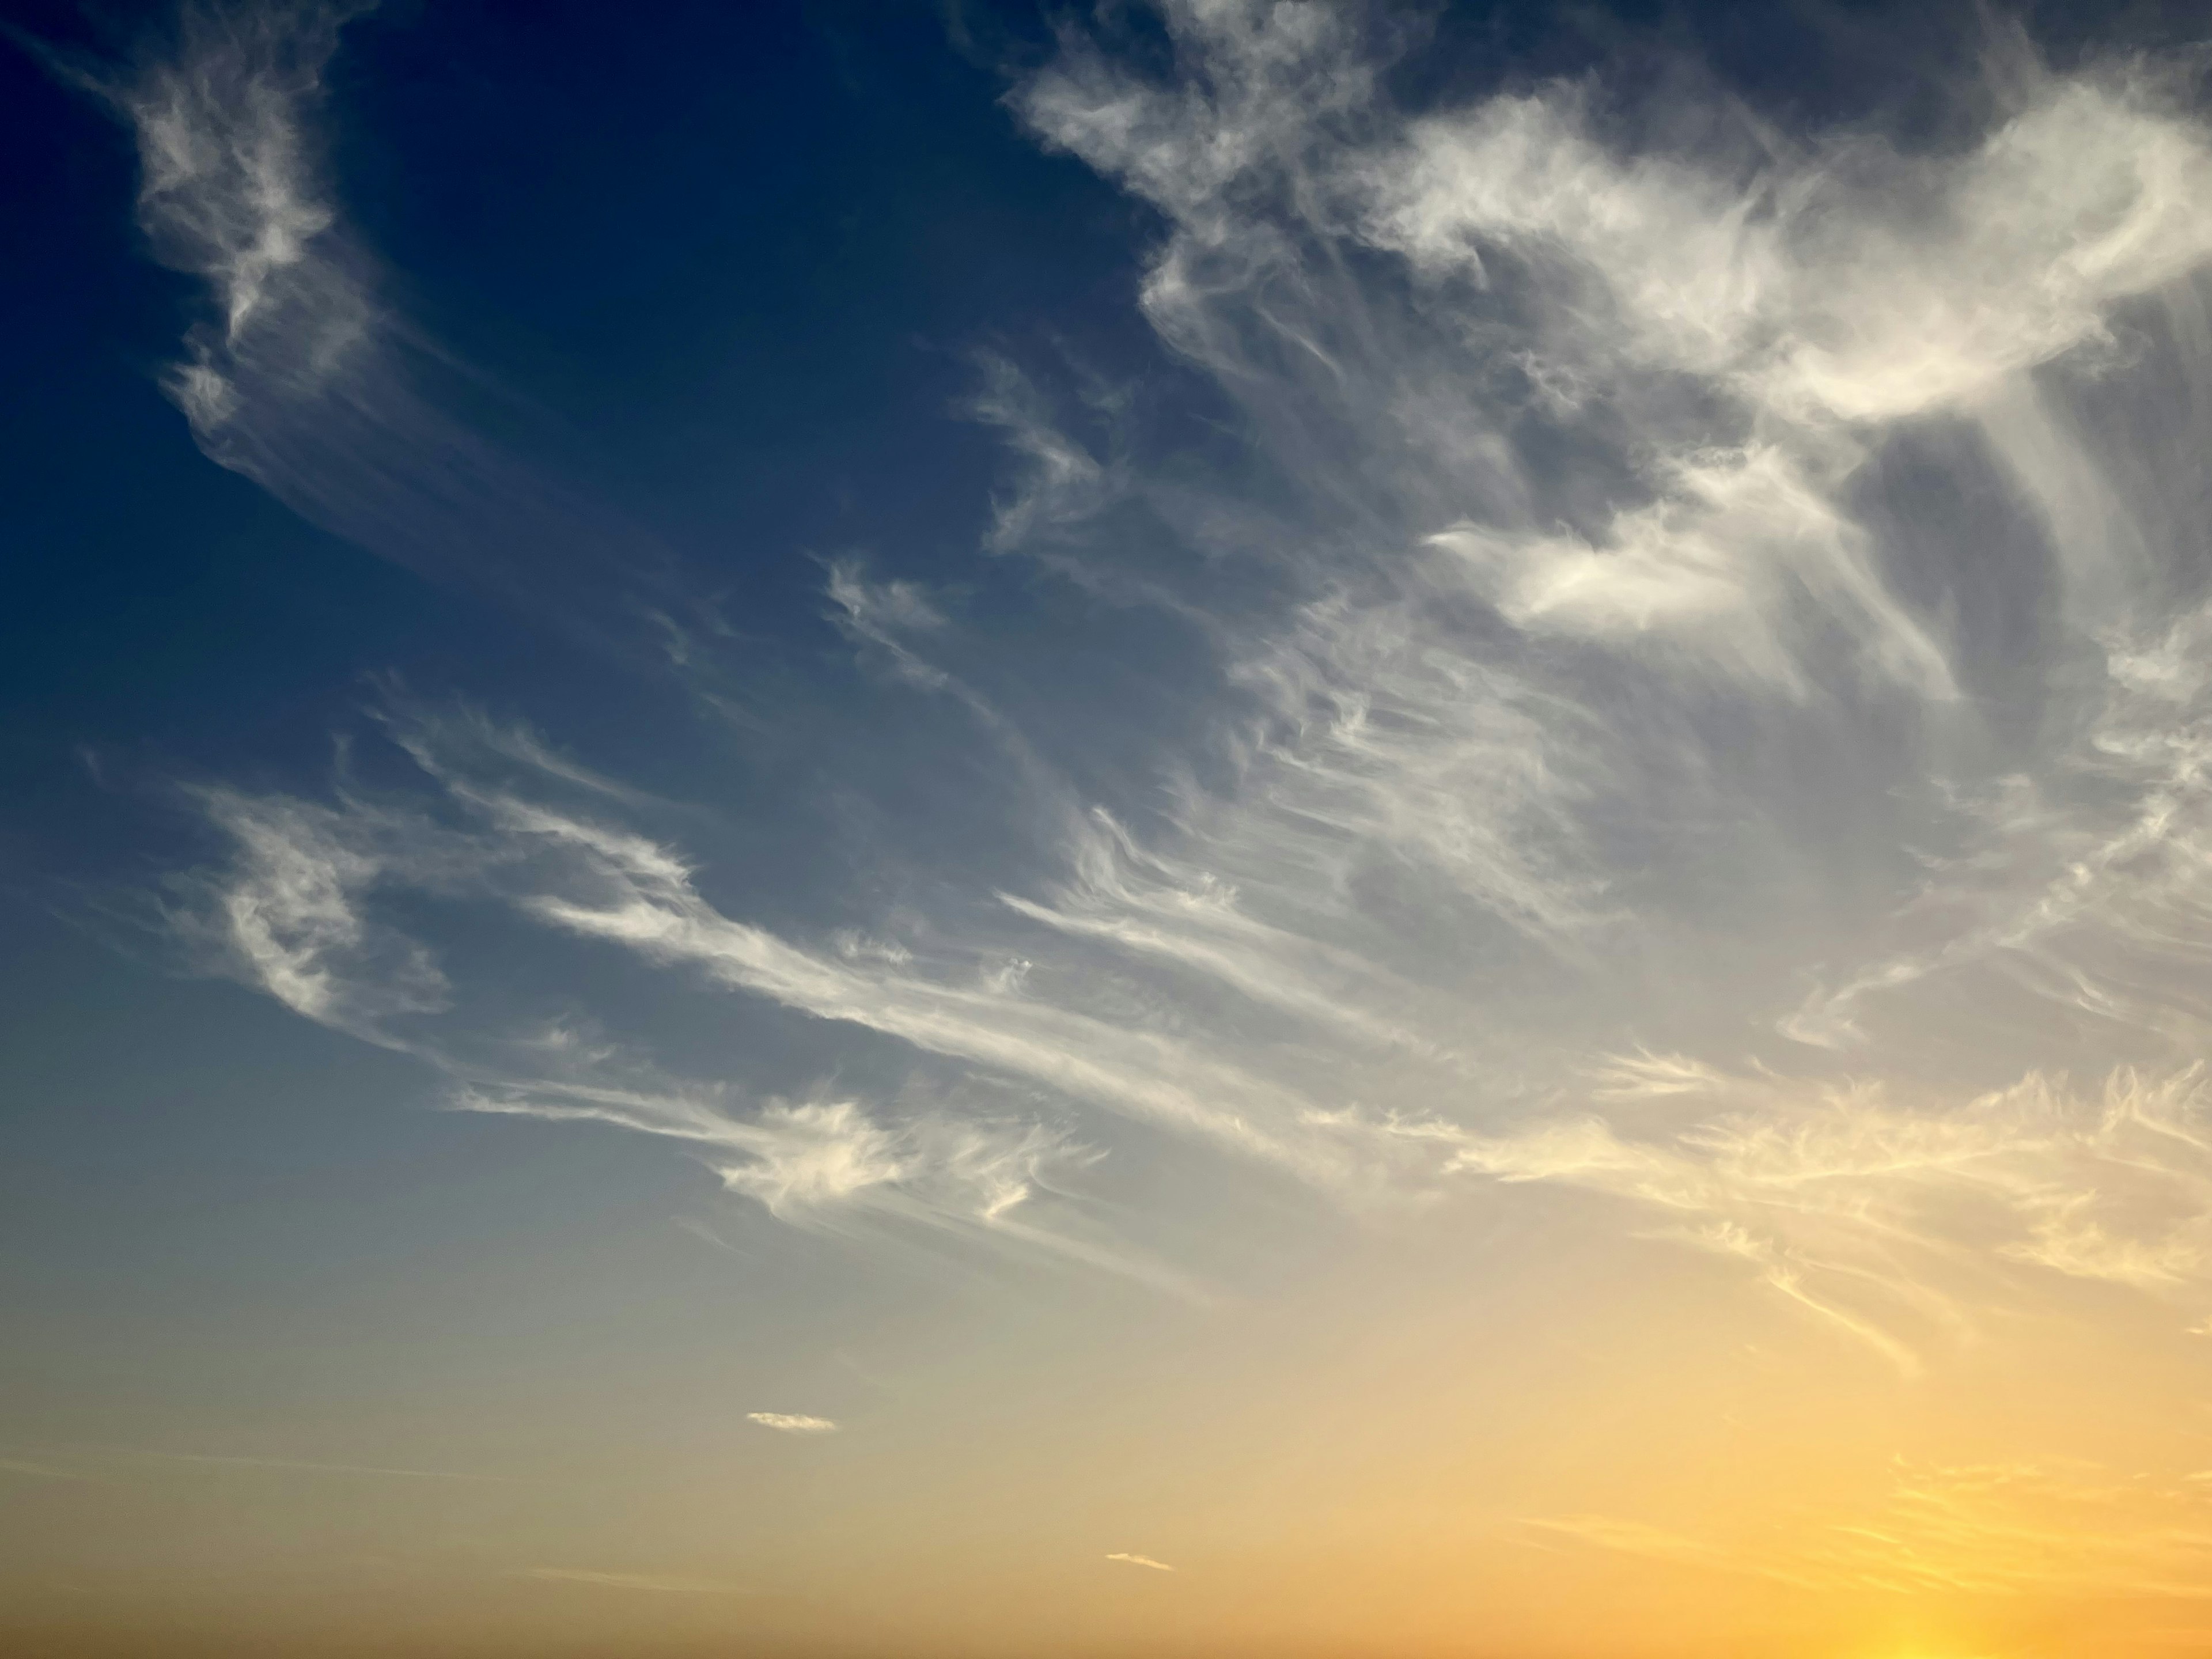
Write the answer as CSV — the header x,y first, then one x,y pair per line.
x,y
789,1423
1862,1208
303,377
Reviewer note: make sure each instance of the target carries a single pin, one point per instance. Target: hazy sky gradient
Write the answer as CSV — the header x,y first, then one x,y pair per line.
x,y
1230,829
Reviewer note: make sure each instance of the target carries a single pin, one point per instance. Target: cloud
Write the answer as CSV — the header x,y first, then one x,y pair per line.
x,y
629,891
1060,482
296,915
288,916
1141,1561
882,615
802,1162
1712,569
304,378
1861,1207
784,1423
1691,605
1847,280
231,189
2081,882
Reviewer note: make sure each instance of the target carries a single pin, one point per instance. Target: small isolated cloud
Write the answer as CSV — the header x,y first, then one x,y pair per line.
x,y
633,1581
1140,1561
786,1423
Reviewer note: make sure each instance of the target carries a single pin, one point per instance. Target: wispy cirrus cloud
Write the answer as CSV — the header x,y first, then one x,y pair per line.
x,y
233,191
1060,482
290,916
1140,1561
303,376
1581,678
1861,1206
1847,1197
297,913
2080,885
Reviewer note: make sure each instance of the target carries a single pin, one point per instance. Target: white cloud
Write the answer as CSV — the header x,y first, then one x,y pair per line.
x,y
1141,1561
232,186
293,916
1061,482
232,190
1713,570
1849,281
289,918
1861,1206
882,615
1576,686
304,378
2082,883
786,1423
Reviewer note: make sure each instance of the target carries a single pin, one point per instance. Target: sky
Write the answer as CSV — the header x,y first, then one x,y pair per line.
x,y
1294,831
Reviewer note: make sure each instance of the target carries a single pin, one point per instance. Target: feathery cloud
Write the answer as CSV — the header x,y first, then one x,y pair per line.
x,y
786,1423
1581,679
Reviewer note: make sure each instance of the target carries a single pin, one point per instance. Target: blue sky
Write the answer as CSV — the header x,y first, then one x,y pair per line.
x,y
1109,792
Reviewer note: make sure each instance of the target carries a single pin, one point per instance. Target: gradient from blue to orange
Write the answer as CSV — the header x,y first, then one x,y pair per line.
x,y
1247,828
